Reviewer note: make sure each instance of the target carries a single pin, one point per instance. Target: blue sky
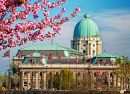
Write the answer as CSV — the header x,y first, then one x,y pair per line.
x,y
111,16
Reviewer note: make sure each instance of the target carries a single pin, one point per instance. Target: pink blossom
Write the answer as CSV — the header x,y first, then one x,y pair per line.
x,y
77,9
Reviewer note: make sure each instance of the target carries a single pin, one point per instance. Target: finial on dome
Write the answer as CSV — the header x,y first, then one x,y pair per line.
x,y
115,52
105,51
86,15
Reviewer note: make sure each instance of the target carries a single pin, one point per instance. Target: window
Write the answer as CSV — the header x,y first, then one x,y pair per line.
x,y
40,74
83,44
33,73
95,74
75,46
25,74
79,74
33,84
84,51
78,83
25,83
93,52
39,84
57,73
94,85
93,45
111,83
18,63
93,38
34,61
111,74
84,38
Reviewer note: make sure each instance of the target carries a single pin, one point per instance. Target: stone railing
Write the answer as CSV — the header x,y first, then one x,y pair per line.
x,y
65,66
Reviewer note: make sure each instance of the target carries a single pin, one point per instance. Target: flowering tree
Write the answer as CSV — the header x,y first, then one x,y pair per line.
x,y
10,37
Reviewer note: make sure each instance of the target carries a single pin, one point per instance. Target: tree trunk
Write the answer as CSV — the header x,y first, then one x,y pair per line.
x,y
15,86
9,81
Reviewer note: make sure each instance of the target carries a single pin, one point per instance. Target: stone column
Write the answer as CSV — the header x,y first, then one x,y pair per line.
x,y
32,82
51,81
61,81
69,81
123,82
42,81
28,81
36,77
114,80
46,81
117,82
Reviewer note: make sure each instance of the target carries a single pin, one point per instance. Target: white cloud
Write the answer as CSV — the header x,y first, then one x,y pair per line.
x,y
114,30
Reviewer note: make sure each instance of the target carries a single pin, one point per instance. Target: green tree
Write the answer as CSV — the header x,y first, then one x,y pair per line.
x,y
56,79
14,67
15,79
4,79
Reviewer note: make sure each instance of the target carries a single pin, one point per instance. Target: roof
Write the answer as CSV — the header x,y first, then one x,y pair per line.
x,y
49,48
36,54
86,27
105,55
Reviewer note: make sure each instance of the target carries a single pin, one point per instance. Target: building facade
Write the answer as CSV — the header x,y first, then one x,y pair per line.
x,y
86,43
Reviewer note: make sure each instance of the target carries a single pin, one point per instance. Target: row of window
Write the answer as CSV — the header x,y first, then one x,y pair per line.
x,y
95,74
84,51
86,45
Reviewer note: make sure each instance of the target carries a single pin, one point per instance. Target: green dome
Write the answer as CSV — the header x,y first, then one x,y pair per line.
x,y
86,28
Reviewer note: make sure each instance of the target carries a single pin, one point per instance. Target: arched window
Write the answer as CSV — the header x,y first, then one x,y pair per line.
x,y
111,74
84,51
57,73
25,74
18,63
93,52
40,74
39,84
79,74
25,83
95,74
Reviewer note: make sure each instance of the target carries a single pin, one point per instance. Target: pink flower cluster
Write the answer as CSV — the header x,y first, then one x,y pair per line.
x,y
31,29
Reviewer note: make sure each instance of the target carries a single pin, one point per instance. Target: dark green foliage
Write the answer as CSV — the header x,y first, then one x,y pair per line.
x,y
56,80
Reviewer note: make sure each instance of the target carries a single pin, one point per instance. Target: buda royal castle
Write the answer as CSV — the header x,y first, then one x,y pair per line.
x,y
86,45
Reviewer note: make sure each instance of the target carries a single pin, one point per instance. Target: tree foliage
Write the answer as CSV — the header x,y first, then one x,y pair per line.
x,y
29,30
123,65
14,67
56,79
4,79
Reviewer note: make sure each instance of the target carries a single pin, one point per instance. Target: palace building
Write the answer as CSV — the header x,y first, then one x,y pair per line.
x,y
86,42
